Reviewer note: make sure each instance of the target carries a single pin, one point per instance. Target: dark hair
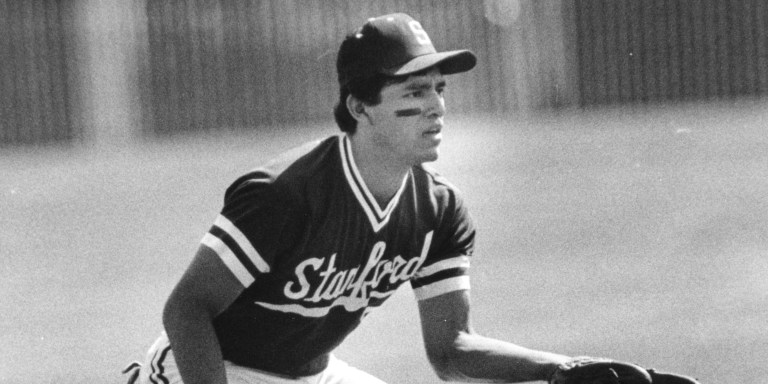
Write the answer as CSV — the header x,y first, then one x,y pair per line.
x,y
366,90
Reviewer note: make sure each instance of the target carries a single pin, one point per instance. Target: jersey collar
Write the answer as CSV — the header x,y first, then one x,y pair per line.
x,y
377,215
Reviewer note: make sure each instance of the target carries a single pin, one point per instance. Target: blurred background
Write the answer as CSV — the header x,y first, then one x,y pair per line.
x,y
614,152
85,71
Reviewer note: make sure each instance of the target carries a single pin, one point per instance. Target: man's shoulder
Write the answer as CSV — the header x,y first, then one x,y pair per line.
x,y
301,159
290,167
307,155
426,175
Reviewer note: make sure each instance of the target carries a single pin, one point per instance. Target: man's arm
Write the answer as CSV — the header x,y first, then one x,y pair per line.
x,y
206,288
457,353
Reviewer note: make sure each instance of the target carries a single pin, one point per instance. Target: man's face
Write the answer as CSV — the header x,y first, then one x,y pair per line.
x,y
407,125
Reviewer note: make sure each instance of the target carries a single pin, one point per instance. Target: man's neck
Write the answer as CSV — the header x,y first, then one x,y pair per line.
x,y
382,174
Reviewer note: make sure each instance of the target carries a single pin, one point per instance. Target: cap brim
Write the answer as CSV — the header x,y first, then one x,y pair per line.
x,y
449,62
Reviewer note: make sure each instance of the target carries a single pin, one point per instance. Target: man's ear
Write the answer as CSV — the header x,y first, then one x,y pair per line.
x,y
356,108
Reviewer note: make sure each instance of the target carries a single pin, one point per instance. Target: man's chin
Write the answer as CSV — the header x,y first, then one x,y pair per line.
x,y
431,156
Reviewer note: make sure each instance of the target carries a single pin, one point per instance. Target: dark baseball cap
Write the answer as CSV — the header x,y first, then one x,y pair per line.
x,y
395,45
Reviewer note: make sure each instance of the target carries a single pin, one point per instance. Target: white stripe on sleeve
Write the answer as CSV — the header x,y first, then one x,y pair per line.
x,y
230,260
242,241
454,262
440,287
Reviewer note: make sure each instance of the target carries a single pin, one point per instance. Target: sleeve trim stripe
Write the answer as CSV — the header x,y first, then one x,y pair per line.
x,y
442,275
441,287
227,226
229,259
455,262
230,243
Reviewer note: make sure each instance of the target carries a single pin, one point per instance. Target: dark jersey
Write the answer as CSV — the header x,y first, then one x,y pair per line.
x,y
315,251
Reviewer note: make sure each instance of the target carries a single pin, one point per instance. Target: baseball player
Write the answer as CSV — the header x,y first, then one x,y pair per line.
x,y
306,245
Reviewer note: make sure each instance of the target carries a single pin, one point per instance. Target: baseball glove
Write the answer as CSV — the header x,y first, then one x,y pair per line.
x,y
588,370
670,378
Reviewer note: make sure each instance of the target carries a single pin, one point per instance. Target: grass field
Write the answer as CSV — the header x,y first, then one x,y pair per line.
x,y
638,234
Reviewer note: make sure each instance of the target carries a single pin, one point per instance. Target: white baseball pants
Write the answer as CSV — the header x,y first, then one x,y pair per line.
x,y
159,367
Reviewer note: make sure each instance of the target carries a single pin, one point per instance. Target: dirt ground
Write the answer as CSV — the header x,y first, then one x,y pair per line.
x,y
639,234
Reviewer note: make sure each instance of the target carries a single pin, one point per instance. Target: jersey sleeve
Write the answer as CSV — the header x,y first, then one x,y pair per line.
x,y
251,227
446,268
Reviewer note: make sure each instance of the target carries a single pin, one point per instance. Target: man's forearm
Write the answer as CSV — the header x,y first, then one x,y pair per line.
x,y
478,358
194,343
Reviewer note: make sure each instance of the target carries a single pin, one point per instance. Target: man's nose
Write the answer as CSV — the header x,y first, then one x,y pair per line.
x,y
435,105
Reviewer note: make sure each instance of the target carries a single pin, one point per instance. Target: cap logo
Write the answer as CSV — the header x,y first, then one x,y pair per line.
x,y
419,33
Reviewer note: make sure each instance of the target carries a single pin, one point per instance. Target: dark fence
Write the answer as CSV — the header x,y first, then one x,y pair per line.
x,y
249,63
633,51
34,87
215,64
